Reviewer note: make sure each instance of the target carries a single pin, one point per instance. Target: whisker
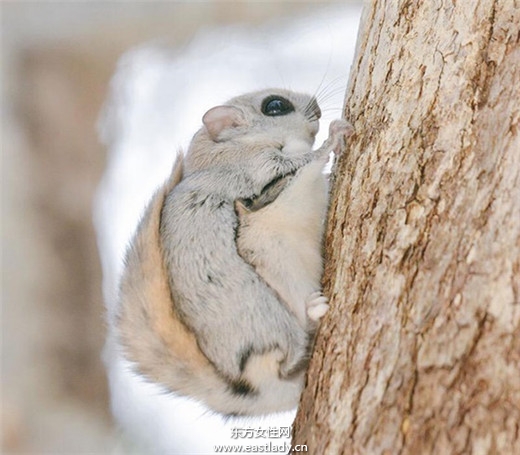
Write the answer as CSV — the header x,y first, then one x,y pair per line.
x,y
327,95
323,88
332,109
332,93
319,87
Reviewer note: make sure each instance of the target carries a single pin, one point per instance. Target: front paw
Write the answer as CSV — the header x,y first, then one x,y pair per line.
x,y
339,131
317,305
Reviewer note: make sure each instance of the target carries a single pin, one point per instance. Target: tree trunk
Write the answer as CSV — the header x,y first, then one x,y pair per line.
x,y
420,352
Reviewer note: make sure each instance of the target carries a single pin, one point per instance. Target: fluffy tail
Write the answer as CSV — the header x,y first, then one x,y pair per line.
x,y
160,345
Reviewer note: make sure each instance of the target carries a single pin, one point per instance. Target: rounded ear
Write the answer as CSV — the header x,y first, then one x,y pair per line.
x,y
220,118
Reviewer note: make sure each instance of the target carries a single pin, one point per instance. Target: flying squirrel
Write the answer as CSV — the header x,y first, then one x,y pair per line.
x,y
220,295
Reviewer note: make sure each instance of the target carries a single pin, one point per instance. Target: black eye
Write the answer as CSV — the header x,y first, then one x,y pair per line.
x,y
276,105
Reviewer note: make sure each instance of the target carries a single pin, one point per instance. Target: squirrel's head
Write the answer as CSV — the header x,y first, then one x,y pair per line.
x,y
242,128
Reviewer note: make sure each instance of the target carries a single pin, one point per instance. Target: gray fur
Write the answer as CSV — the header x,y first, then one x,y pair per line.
x,y
221,287
218,295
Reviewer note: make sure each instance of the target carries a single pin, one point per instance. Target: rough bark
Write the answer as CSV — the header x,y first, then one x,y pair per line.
x,y
420,352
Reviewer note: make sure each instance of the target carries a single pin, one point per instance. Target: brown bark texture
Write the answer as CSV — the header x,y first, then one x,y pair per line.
x,y
420,352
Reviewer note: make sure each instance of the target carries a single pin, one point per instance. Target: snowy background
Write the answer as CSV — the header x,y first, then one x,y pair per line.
x,y
63,74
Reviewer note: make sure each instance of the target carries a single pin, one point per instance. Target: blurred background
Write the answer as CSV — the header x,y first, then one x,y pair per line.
x,y
57,59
